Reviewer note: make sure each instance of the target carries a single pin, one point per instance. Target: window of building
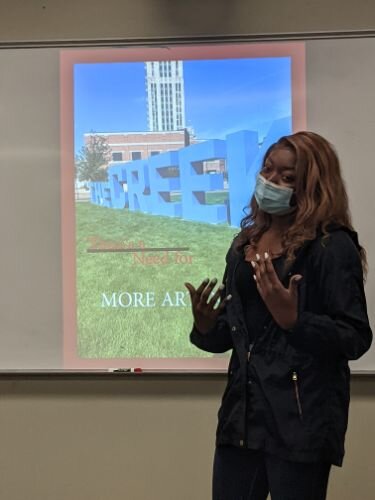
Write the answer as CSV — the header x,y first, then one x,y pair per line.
x,y
136,155
117,156
154,153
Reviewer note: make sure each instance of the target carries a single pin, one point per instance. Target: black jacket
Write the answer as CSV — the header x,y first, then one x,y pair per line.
x,y
302,376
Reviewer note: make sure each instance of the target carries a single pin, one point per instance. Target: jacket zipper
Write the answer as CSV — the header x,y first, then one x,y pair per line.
x,y
246,393
296,391
249,352
243,442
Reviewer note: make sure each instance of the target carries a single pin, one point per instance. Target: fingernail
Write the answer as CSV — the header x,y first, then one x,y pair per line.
x,y
214,281
254,277
253,263
228,297
221,287
265,255
257,256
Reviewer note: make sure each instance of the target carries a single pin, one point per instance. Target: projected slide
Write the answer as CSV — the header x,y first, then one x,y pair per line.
x,y
161,147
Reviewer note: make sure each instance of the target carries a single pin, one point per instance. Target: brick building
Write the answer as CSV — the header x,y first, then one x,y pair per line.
x,y
130,146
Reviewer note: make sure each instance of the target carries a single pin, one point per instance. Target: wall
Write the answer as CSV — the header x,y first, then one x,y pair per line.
x,y
147,438
139,439
92,19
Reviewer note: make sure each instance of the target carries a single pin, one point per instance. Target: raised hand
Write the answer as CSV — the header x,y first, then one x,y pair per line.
x,y
281,302
205,304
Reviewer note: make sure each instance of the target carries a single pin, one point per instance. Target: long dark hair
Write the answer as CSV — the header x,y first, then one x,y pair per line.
x,y
320,194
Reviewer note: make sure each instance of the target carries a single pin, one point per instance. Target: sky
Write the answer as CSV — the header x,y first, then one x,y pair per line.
x,y
221,96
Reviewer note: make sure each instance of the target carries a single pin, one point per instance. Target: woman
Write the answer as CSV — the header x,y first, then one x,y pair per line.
x,y
292,309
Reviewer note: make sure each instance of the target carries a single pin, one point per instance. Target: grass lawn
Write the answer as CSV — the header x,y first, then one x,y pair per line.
x,y
161,330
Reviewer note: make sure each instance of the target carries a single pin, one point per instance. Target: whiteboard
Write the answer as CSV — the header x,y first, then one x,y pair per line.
x,y
40,307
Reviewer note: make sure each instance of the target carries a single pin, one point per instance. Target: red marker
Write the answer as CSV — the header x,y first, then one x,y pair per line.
x,y
138,370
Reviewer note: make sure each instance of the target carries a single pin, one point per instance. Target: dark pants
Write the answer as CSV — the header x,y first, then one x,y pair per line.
x,y
242,474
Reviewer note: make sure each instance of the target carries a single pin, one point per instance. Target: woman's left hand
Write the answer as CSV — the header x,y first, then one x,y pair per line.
x,y
281,302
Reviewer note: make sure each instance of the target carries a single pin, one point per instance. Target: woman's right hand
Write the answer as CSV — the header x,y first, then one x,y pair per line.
x,y
205,304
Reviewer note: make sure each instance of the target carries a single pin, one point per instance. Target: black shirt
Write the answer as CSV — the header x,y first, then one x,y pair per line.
x,y
254,309
256,316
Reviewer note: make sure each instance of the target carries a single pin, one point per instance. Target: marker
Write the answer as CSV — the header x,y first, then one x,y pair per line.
x,y
125,370
120,370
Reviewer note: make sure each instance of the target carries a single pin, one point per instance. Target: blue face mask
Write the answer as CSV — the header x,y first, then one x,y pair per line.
x,y
271,198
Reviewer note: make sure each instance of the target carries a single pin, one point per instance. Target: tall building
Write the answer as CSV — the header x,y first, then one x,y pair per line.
x,y
165,96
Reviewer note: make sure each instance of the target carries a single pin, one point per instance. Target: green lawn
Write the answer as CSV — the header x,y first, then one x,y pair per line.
x,y
160,331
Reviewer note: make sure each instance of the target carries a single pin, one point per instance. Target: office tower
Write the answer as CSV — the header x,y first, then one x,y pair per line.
x,y
165,96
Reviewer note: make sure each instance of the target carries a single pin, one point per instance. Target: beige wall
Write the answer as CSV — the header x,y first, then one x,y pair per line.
x,y
96,19
147,438
139,439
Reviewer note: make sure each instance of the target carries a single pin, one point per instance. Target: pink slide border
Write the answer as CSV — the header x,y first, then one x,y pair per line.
x,y
295,50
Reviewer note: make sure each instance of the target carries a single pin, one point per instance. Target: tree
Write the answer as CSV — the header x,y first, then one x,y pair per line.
x,y
92,159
